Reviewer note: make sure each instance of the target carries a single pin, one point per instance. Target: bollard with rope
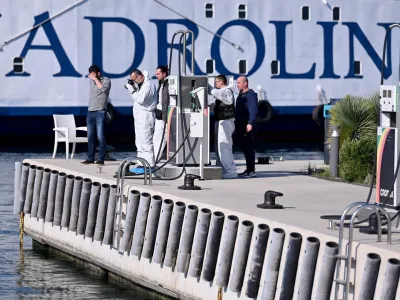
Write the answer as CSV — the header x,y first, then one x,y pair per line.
x,y
21,229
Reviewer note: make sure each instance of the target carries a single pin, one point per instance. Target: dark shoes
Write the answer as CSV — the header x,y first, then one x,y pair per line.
x,y
247,174
91,162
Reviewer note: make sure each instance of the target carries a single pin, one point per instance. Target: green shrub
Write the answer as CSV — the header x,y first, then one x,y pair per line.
x,y
356,159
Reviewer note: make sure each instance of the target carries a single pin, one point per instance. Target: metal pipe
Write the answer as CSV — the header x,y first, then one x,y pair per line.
x,y
199,244
273,264
328,270
371,272
213,243
257,261
66,211
241,256
391,280
92,210
162,231
192,67
76,196
131,213
174,234
140,224
102,212
22,186
84,205
17,180
291,264
36,191
60,191
29,189
44,190
109,230
151,227
226,253
308,268
186,242
334,155
184,55
51,196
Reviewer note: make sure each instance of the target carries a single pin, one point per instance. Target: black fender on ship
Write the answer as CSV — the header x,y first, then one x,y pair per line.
x,y
265,111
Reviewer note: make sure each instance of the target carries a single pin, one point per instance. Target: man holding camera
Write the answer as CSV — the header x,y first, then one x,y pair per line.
x,y
144,98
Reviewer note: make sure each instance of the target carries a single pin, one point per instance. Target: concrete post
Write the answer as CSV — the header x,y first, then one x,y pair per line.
x,y
84,205
199,243
29,189
174,234
213,243
334,155
326,277
66,211
186,242
22,186
44,190
370,277
76,197
257,261
291,264
60,191
162,231
92,211
151,227
273,263
308,268
102,212
391,280
36,191
226,253
109,230
17,180
130,218
140,224
51,196
241,256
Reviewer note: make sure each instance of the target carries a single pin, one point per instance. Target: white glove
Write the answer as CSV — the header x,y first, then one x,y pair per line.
x,y
129,88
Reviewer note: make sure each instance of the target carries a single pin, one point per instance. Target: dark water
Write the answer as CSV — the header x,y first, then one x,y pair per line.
x,y
36,272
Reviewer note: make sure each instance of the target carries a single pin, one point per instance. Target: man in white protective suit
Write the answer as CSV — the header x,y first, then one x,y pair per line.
x,y
144,98
224,111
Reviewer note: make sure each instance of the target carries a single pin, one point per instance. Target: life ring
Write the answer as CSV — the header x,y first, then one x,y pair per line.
x,y
110,113
265,111
318,114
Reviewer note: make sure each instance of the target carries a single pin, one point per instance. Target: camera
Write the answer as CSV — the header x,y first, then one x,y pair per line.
x,y
131,82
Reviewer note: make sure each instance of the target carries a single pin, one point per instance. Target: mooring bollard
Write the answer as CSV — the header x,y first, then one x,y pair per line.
x,y
66,210
29,189
370,276
334,155
109,230
102,212
162,231
199,243
212,247
51,196
22,186
140,224
44,190
130,218
17,180
84,205
326,276
60,191
36,191
174,234
151,227
391,280
257,261
76,197
92,210
186,242
273,264
308,268
227,247
241,256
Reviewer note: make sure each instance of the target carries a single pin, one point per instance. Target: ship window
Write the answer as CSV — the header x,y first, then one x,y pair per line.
x,y
275,67
305,13
357,67
242,66
242,11
336,13
18,65
209,10
210,66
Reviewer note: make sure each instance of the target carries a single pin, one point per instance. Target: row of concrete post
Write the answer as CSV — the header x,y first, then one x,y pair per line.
x,y
203,244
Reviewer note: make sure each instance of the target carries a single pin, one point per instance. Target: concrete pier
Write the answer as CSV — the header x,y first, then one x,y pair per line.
x,y
304,199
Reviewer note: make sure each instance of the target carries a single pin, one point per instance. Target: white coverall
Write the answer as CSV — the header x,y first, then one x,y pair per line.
x,y
158,130
223,134
144,105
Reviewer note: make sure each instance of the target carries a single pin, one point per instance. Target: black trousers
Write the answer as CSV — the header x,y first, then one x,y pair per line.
x,y
246,145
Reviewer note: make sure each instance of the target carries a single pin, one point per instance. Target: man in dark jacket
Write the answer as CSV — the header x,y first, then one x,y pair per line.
x,y
161,111
245,127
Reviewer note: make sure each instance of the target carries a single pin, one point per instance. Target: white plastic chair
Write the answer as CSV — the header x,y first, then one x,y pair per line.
x,y
65,131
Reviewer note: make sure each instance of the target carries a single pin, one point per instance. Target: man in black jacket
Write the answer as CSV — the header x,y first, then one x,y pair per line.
x,y
161,111
245,117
